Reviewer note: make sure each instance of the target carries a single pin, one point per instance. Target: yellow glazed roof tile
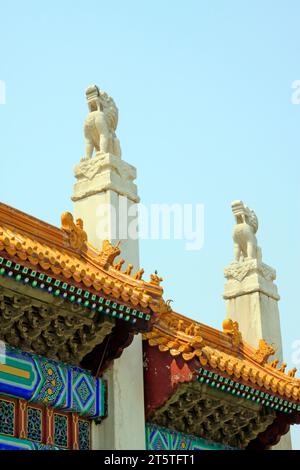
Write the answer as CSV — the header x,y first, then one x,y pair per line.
x,y
66,253
223,351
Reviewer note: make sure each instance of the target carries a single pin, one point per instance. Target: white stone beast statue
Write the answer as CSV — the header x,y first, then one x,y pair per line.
x,y
101,123
245,242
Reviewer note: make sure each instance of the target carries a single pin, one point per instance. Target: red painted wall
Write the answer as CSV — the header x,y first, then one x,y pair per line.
x,y
162,374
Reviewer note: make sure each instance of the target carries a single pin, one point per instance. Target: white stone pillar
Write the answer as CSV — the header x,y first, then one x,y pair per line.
x,y
250,294
103,188
105,198
251,299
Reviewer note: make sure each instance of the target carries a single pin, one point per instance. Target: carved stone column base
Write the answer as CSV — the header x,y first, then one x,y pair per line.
x,y
102,173
250,276
251,299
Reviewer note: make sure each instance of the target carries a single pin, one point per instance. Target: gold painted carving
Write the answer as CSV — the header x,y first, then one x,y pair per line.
x,y
292,372
282,367
119,264
128,269
75,235
155,279
263,352
274,363
139,274
108,253
232,328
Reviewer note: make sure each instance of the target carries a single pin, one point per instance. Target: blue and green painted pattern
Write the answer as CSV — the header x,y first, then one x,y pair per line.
x,y
7,418
84,431
47,382
159,438
61,430
18,374
241,390
34,424
12,443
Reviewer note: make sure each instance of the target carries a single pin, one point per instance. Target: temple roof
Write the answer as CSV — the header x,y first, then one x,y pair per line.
x,y
65,252
212,383
224,352
63,298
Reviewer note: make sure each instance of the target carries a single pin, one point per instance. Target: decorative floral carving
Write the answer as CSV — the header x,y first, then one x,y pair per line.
x,y
239,270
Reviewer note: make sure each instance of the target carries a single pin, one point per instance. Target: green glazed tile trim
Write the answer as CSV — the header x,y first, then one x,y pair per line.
x,y
69,292
248,393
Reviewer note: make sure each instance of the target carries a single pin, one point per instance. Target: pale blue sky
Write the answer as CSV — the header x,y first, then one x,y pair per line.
x,y
204,93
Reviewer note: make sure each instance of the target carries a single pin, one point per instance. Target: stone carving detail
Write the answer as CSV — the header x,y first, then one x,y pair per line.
x,y
232,328
239,270
58,331
245,242
247,274
102,173
109,253
75,235
263,352
101,123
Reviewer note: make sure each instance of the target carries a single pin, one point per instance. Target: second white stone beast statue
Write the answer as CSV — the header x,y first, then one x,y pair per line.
x,y
245,242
